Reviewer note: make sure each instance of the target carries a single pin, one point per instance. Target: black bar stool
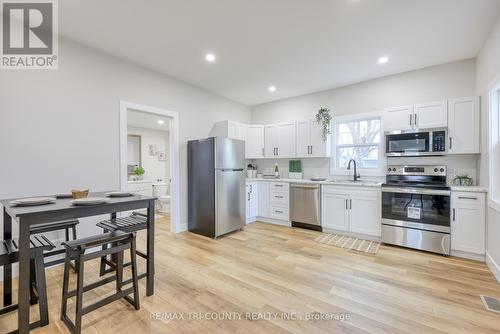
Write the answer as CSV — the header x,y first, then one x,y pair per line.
x,y
67,226
134,223
76,250
9,254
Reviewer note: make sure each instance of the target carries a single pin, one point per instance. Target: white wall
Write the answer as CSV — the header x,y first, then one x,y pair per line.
x,y
488,72
154,168
455,79
59,129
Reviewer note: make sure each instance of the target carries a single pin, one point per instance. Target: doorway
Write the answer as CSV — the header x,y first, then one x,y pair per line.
x,y
149,156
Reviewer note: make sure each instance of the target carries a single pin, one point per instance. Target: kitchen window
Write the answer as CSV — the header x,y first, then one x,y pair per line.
x,y
358,137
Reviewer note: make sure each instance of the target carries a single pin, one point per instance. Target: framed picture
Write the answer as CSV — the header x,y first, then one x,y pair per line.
x,y
153,150
162,155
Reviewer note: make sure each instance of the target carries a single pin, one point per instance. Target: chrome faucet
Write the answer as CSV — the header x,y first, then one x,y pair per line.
x,y
356,175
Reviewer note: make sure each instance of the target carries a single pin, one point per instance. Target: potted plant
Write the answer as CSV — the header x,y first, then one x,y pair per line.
x,y
139,171
324,118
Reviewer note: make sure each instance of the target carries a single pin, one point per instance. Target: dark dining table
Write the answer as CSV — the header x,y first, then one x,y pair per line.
x,y
61,210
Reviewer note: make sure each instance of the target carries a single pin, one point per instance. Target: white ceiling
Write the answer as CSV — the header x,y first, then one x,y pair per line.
x,y
147,121
301,46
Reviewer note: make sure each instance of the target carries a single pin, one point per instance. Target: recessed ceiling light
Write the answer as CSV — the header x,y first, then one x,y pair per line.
x,y
383,60
210,57
160,121
272,89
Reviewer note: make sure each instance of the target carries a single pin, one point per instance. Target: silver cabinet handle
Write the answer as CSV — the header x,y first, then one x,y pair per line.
x,y
416,120
278,196
411,119
277,151
278,211
451,142
263,152
350,204
278,185
453,214
311,149
466,197
346,205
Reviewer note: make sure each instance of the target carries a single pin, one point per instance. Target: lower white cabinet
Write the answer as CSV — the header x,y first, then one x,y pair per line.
x,y
351,210
468,222
252,201
263,198
272,200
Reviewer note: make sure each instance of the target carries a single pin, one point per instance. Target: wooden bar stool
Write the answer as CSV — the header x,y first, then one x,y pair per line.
x,y
134,223
76,250
67,226
9,254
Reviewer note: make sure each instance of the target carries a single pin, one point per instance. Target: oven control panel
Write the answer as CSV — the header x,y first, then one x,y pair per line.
x,y
416,170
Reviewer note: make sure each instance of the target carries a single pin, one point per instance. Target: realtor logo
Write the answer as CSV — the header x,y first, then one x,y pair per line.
x,y
29,34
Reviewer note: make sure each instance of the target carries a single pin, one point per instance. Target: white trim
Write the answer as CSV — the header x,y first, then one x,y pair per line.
x,y
467,255
175,192
494,267
355,118
493,140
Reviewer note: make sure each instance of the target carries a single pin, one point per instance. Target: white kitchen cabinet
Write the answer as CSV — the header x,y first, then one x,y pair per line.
x,y
398,118
365,207
351,210
255,142
237,131
141,187
252,201
334,211
430,115
310,140
279,200
468,222
280,140
263,199
463,125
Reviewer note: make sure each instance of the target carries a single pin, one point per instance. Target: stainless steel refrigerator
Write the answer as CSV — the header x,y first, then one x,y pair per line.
x,y
216,186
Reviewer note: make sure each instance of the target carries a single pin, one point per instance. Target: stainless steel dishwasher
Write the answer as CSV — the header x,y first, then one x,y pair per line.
x,y
305,205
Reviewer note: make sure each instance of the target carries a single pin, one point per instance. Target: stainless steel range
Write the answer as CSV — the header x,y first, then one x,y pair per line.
x,y
416,208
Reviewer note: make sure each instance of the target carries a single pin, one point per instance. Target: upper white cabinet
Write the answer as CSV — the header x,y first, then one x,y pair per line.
x,y
418,116
310,140
463,125
468,222
351,210
237,130
398,118
255,142
430,115
280,140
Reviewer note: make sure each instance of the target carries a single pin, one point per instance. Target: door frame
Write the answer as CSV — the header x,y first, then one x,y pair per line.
x,y
175,221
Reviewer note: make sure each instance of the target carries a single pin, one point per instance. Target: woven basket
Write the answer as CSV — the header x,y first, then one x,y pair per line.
x,y
80,193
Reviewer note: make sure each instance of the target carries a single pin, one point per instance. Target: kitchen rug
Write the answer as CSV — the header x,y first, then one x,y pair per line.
x,y
349,243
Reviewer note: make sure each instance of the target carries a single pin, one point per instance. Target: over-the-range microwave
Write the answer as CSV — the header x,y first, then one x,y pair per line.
x,y
419,142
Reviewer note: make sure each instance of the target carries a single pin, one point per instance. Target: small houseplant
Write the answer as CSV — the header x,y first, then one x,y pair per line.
x,y
139,172
324,118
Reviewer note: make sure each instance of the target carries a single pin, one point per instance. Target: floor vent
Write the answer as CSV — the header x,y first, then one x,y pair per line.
x,y
491,304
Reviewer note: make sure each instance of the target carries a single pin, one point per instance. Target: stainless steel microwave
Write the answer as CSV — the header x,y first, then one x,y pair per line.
x,y
410,143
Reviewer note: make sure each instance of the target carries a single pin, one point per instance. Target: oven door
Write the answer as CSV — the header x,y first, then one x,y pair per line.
x,y
424,209
408,144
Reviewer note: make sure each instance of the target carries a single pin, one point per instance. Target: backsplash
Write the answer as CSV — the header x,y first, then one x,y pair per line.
x,y
320,167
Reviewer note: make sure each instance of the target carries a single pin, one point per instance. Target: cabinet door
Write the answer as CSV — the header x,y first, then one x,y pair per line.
x,y
431,115
303,139
468,222
398,118
334,213
319,147
365,212
254,200
463,125
286,140
263,199
271,138
255,142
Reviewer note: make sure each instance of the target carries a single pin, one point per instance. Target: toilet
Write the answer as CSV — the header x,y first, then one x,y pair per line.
x,y
161,191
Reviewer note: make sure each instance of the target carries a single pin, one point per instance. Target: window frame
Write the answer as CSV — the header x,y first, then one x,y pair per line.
x,y
494,144
379,171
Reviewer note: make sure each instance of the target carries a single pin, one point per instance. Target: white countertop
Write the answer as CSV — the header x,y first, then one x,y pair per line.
x,y
475,189
335,182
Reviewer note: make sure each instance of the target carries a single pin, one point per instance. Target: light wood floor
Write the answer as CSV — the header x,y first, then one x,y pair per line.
x,y
275,269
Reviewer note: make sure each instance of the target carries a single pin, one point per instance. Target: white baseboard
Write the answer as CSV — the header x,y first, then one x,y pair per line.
x,y
494,267
466,255
274,221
